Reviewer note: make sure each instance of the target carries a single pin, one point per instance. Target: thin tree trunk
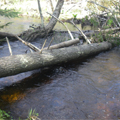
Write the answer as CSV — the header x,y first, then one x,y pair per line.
x,y
56,13
40,31
51,4
40,11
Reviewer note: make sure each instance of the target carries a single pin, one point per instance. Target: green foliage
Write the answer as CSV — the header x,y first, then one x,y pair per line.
x,y
4,115
74,16
117,42
99,37
86,17
83,20
32,113
105,27
94,22
9,13
62,12
110,21
2,26
106,21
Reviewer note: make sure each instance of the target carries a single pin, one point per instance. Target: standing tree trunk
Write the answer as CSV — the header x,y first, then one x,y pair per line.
x,y
51,4
56,13
40,11
40,31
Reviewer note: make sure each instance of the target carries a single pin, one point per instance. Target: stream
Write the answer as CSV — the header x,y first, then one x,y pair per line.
x,y
81,89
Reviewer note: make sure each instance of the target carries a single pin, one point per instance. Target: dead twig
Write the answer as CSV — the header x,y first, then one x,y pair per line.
x,y
50,43
40,11
51,4
28,44
64,25
85,37
43,46
10,50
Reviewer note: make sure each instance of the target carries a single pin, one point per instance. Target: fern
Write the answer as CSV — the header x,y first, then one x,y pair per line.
x,y
5,25
9,13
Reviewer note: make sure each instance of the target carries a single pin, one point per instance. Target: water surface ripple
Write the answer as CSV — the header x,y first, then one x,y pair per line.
x,y
79,90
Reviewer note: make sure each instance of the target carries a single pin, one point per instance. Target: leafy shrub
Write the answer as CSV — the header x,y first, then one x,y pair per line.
x,y
4,115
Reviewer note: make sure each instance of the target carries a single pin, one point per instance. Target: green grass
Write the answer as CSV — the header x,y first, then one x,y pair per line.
x,y
4,115
31,115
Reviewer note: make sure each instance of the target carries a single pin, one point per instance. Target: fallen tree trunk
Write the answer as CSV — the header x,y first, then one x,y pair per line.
x,y
15,64
64,44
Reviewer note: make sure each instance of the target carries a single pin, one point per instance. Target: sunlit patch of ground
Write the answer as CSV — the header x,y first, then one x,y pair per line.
x,y
30,8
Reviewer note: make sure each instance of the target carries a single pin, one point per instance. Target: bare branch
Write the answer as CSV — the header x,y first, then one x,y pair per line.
x,y
64,25
43,46
85,37
51,4
40,11
28,44
10,50
50,42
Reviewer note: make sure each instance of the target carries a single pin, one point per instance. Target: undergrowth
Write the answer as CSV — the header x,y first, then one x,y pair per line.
x,y
32,115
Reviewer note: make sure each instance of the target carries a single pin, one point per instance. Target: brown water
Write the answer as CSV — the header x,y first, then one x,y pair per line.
x,y
82,89
88,89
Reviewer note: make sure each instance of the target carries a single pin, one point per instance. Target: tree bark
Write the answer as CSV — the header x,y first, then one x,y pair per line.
x,y
40,31
56,13
15,64
51,4
64,44
40,11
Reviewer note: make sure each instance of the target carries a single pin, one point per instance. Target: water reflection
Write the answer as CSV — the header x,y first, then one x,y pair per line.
x,y
18,24
86,89
23,23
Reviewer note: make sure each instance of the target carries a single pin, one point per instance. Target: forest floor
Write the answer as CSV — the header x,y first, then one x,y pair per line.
x,y
30,8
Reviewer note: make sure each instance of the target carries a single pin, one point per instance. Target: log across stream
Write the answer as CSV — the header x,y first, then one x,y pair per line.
x,y
15,64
